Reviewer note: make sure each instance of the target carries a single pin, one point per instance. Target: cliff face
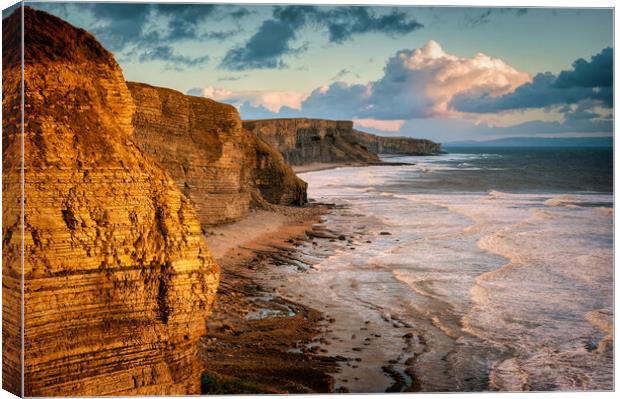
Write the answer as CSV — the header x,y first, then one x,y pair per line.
x,y
273,179
217,164
117,278
395,145
11,210
302,141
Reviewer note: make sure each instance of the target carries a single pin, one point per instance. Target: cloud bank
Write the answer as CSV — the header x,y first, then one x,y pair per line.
x,y
270,102
148,31
428,83
415,84
586,81
273,40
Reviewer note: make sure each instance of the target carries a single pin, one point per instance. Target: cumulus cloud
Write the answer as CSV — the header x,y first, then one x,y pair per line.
x,y
423,81
429,83
339,100
272,101
273,40
598,72
416,83
587,80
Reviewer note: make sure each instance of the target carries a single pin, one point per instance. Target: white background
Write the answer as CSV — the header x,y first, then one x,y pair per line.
x,y
484,3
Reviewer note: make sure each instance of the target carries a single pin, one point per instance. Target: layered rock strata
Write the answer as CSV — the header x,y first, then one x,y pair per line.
x,y
11,209
395,145
118,280
217,164
302,141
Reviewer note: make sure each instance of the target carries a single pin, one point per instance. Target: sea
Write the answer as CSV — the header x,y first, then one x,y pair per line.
x,y
480,269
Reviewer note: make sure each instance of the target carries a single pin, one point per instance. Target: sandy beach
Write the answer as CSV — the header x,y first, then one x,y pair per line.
x,y
258,341
267,335
316,166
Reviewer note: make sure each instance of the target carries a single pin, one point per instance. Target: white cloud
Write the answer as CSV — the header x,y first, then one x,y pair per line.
x,y
423,81
385,126
418,83
215,93
271,100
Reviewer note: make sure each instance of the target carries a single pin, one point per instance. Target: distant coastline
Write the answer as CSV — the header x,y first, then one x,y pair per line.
x,y
536,142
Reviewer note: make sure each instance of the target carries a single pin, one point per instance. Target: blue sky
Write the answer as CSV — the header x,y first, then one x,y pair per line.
x,y
443,73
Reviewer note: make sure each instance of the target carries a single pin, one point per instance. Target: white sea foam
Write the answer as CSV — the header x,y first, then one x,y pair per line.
x,y
563,200
511,289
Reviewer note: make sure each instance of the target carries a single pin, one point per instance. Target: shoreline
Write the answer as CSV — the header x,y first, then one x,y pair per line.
x,y
318,166
268,335
258,341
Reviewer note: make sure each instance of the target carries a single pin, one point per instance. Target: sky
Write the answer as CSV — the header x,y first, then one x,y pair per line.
x,y
443,73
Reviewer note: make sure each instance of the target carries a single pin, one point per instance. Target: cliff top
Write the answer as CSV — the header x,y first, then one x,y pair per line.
x,y
296,119
205,100
49,39
390,137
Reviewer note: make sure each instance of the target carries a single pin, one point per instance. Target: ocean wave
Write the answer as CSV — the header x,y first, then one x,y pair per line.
x,y
605,211
544,214
497,194
563,200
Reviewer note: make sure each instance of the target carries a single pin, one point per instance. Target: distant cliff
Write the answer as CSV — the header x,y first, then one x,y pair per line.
x,y
302,141
117,277
395,145
221,167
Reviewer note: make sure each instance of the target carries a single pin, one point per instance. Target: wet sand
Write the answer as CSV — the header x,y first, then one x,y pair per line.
x,y
259,342
316,166
270,335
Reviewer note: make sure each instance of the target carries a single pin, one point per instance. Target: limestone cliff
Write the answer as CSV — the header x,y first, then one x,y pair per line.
x,y
216,163
11,211
117,278
303,141
273,179
395,145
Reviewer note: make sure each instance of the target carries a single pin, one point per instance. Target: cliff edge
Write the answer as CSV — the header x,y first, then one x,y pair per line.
x,y
223,169
302,141
395,145
117,278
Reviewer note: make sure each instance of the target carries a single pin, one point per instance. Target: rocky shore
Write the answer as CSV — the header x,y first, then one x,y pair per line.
x,y
123,182
258,341
267,335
